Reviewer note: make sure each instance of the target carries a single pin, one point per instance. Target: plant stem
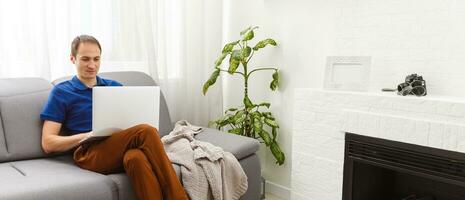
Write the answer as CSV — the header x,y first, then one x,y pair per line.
x,y
265,68
246,80
250,57
247,129
234,72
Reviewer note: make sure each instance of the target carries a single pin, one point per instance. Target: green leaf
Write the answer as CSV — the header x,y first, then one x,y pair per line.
x,y
211,81
263,43
237,131
206,85
275,75
223,121
245,31
211,123
277,153
229,47
248,36
271,123
274,132
245,53
239,117
274,83
248,33
256,114
234,61
230,110
257,125
247,102
233,65
248,29
236,54
265,136
220,59
268,115
214,76
265,104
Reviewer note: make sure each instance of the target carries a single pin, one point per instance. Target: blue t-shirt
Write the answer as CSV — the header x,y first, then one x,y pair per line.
x,y
70,103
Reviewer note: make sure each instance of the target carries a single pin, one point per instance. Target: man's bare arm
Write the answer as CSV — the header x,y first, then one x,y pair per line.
x,y
52,142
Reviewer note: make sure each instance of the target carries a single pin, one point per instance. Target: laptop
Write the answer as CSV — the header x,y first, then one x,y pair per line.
x,y
118,108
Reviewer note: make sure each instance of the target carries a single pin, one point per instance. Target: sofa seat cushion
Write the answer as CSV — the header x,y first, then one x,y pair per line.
x,y
125,190
53,178
239,146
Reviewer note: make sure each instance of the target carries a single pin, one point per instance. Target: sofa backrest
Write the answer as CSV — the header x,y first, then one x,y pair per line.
x,y
21,101
133,78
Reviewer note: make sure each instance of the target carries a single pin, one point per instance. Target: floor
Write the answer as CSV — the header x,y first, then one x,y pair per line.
x,y
269,196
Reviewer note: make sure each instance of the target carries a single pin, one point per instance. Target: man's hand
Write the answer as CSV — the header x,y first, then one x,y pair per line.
x,y
86,136
53,142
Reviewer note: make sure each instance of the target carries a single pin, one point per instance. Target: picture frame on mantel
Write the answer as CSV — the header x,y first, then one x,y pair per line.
x,y
347,73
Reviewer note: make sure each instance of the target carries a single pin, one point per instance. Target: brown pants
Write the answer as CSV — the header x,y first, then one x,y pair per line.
x,y
139,151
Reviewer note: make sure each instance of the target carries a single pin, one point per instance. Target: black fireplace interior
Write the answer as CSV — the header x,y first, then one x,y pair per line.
x,y
378,169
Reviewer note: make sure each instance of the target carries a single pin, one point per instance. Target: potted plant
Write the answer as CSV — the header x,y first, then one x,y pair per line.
x,y
250,119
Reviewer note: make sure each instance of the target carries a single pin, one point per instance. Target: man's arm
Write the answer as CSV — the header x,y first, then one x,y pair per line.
x,y
52,142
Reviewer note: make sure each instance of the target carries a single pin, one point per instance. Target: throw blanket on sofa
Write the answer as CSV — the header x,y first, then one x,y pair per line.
x,y
207,172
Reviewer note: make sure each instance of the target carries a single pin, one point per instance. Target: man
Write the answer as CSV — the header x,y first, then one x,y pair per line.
x,y
136,150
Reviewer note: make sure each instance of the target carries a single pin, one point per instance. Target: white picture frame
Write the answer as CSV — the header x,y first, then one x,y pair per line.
x,y
347,73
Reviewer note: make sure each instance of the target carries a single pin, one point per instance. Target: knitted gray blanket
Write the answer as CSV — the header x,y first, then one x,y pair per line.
x,y
207,172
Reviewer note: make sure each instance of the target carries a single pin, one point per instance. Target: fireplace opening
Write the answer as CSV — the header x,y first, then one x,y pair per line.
x,y
378,169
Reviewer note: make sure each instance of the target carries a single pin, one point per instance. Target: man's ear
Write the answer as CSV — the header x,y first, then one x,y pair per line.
x,y
72,58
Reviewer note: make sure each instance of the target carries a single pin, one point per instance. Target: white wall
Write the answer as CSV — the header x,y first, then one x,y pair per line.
x,y
304,33
402,36
407,36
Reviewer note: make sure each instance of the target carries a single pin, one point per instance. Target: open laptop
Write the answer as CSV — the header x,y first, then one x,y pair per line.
x,y
118,108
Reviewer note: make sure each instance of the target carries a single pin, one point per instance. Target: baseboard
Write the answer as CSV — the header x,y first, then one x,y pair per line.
x,y
278,190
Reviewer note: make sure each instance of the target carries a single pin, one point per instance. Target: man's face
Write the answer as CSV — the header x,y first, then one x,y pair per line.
x,y
87,60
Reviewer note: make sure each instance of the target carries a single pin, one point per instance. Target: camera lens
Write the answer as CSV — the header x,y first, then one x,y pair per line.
x,y
401,86
418,91
405,90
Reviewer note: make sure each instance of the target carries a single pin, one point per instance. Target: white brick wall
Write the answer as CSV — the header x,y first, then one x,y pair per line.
x,y
321,118
406,36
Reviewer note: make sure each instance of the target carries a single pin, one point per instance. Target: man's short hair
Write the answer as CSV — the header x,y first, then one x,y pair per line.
x,y
83,39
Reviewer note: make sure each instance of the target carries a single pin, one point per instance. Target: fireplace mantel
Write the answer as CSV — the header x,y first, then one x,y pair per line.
x,y
322,117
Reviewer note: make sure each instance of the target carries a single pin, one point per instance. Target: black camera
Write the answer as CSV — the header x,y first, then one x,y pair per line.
x,y
414,85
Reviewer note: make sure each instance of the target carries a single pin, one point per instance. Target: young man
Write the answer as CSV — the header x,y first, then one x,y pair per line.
x,y
136,150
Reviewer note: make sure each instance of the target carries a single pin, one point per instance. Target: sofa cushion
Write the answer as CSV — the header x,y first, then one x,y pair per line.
x,y
20,86
21,101
125,190
3,151
53,178
239,146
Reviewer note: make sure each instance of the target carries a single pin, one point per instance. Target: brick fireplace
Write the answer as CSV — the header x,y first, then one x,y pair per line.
x,y
381,169
321,119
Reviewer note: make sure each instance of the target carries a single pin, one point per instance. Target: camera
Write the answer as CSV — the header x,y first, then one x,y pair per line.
x,y
414,84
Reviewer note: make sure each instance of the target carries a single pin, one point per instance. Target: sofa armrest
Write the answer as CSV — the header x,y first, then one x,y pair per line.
x,y
239,146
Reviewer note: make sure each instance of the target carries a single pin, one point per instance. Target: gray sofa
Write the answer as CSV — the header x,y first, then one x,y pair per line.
x,y
26,172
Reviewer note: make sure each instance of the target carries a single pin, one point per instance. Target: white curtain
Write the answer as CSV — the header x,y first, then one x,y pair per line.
x,y
189,37
175,41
